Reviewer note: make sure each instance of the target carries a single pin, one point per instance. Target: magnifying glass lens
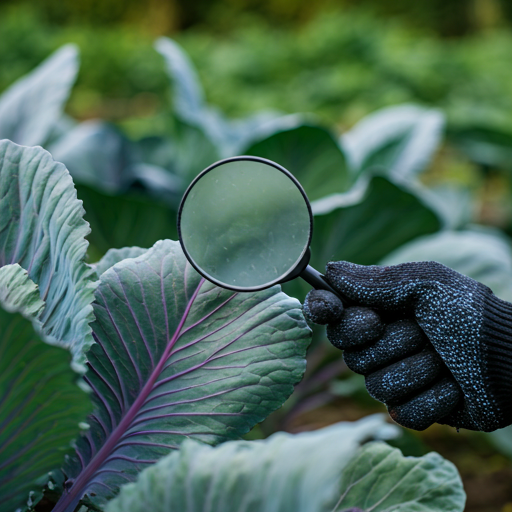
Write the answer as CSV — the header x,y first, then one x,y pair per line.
x,y
245,224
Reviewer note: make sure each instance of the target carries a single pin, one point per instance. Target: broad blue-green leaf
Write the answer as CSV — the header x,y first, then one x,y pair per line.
x,y
229,136
311,154
160,150
193,151
158,182
177,357
454,204
284,473
62,126
42,229
118,188
97,154
365,224
40,403
114,256
380,479
130,219
18,292
186,152
32,106
189,100
502,440
482,255
485,145
400,139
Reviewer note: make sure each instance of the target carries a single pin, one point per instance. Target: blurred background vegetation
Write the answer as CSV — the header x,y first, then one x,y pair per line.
x,y
337,59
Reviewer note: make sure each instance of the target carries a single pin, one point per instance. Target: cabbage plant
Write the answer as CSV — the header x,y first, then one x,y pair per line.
x,y
131,188
173,357
106,370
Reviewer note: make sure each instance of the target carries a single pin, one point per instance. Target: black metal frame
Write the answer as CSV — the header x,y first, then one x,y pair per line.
x,y
304,258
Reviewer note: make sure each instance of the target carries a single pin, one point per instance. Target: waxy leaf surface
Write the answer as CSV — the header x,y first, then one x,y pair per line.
x,y
284,473
32,106
40,402
130,219
401,139
486,145
176,358
380,479
364,225
114,256
18,292
42,229
311,154
97,154
185,152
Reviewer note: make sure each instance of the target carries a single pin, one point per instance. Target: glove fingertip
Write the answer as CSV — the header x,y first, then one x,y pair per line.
x,y
358,327
429,407
322,307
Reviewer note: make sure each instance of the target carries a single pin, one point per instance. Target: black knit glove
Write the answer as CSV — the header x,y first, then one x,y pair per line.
x,y
433,344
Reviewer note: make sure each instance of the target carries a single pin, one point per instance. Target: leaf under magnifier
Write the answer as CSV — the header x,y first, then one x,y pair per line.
x,y
176,358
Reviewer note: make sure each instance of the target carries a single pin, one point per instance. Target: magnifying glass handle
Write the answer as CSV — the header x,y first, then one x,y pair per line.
x,y
319,282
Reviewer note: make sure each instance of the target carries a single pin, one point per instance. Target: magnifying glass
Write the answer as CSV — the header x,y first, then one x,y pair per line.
x,y
245,223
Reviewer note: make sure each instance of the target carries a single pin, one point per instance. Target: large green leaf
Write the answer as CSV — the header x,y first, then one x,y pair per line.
x,y
228,136
97,154
131,219
311,154
502,440
118,188
284,473
114,256
42,229
365,224
454,204
482,255
40,403
177,357
185,152
322,471
401,139
18,292
32,106
193,151
381,479
486,145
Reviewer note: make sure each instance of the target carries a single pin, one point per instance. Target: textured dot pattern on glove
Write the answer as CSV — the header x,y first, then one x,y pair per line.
x,y
434,363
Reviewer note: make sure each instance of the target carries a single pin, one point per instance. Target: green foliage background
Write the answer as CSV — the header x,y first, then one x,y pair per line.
x,y
340,60
339,63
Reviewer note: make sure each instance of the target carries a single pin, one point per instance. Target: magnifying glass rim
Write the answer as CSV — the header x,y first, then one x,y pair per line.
x,y
238,159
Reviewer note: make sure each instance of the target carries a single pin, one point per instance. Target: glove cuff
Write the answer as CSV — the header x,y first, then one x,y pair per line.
x,y
497,344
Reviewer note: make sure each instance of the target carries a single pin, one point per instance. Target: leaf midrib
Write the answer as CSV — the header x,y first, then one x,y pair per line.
x,y
84,477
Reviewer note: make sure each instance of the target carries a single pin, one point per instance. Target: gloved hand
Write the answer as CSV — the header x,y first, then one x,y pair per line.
x,y
433,344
